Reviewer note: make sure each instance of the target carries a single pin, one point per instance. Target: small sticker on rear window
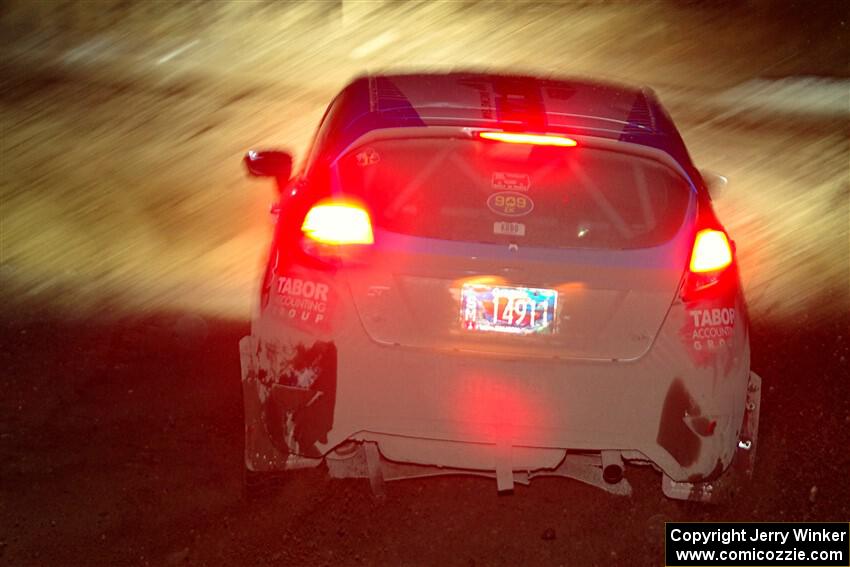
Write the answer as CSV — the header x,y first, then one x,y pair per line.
x,y
368,157
503,181
509,228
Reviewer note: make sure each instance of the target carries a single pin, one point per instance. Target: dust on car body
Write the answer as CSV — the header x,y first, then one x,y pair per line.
x,y
504,276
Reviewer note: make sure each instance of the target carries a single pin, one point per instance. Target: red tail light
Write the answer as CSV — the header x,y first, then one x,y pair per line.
x,y
712,251
711,265
534,139
338,223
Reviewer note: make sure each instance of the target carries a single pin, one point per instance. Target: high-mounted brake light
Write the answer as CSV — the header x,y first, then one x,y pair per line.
x,y
338,223
535,139
711,253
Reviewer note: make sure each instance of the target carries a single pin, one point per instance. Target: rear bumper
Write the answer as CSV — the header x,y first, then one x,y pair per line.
x,y
678,407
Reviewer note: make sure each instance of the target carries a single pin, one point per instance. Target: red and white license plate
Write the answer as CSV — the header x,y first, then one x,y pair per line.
x,y
518,310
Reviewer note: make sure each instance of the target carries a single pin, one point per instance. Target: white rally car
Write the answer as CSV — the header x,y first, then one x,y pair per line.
x,y
504,276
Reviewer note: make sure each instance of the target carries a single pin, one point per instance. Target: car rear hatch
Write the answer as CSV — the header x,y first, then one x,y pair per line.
x,y
515,249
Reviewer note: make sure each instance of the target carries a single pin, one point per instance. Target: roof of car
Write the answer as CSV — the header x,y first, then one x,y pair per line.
x,y
509,102
538,103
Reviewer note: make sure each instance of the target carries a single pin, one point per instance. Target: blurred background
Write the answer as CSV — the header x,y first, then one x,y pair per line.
x,y
123,125
131,243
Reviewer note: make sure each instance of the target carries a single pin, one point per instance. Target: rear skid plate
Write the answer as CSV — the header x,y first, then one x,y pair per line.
x,y
366,462
743,462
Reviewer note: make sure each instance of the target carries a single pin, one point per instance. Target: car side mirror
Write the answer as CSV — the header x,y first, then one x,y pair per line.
x,y
269,163
715,183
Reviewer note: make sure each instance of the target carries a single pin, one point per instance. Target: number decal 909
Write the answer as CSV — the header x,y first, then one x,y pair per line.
x,y
510,204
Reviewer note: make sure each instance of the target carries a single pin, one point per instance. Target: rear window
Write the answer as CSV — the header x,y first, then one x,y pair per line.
x,y
492,192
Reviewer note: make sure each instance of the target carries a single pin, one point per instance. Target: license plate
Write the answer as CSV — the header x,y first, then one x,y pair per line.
x,y
517,310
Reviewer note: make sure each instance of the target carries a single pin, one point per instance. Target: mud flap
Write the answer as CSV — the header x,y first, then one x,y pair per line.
x,y
289,393
260,452
376,474
740,471
504,470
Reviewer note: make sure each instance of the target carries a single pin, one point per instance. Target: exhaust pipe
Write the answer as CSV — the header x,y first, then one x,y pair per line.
x,y
612,467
